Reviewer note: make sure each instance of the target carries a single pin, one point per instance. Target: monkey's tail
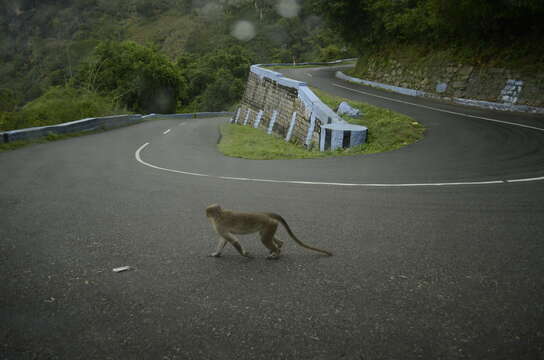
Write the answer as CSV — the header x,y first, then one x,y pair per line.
x,y
284,223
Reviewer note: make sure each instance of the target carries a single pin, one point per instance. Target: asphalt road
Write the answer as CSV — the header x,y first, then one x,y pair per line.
x,y
429,271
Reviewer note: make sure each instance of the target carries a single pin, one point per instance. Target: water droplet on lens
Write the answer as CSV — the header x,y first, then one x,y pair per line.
x,y
243,30
288,8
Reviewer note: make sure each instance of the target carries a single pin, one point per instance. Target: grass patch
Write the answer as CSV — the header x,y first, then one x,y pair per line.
x,y
387,130
250,143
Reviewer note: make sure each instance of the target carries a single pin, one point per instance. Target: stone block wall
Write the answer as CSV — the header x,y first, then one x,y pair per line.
x,y
290,109
454,80
268,95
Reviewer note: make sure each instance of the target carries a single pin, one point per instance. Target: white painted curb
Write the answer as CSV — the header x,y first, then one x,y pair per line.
x,y
469,102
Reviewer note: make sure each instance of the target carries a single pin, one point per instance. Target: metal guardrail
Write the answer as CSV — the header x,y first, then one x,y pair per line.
x,y
97,123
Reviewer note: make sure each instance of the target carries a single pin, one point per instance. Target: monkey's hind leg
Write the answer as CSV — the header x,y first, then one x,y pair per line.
x,y
268,240
278,243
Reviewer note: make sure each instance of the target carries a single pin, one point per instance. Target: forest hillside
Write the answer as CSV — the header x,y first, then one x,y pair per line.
x,y
145,55
63,60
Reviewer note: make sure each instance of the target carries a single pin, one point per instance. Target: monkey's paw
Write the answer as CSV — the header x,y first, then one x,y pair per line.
x,y
273,256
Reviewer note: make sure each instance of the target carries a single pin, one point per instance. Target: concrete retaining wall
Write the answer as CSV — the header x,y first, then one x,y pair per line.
x,y
286,107
91,124
505,106
486,87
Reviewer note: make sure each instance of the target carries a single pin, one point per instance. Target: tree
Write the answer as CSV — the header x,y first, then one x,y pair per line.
x,y
8,100
374,22
139,77
352,19
216,81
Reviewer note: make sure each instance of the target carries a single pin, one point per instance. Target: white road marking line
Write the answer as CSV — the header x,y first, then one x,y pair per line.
x,y
166,132
525,180
310,75
139,159
360,184
137,155
438,109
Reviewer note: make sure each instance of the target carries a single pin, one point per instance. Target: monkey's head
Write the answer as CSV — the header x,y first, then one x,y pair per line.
x,y
213,211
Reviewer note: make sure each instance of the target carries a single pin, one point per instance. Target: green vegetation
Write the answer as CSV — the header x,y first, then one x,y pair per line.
x,y
58,105
387,130
183,55
147,55
474,31
123,77
216,80
135,76
371,22
51,137
250,143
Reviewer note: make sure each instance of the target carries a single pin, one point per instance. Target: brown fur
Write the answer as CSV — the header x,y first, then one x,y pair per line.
x,y
226,223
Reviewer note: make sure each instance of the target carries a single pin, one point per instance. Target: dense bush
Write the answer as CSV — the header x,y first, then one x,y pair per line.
x,y
58,105
137,76
8,100
140,79
368,23
217,80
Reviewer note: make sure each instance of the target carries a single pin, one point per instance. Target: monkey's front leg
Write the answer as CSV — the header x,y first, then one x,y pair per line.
x,y
220,245
234,242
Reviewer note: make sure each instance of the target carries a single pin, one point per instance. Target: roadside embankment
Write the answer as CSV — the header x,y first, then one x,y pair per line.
x,y
89,125
481,85
290,109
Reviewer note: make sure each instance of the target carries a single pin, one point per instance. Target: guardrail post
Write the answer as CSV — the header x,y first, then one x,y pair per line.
x,y
235,118
272,121
258,119
310,130
291,126
247,116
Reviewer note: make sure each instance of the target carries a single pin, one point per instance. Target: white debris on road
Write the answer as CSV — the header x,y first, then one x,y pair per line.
x,y
122,268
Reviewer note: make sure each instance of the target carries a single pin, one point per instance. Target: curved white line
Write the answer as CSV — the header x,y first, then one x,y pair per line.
x,y
138,157
437,109
526,180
